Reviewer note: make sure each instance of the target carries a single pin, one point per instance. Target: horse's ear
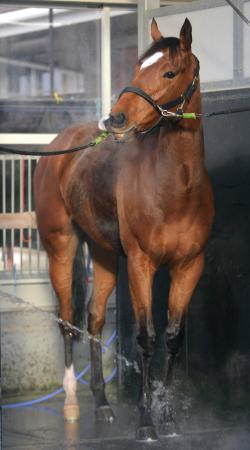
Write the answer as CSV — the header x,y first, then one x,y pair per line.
x,y
155,32
186,36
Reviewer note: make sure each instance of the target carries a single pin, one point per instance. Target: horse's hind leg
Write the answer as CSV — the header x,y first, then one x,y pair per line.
x,y
61,252
140,272
104,269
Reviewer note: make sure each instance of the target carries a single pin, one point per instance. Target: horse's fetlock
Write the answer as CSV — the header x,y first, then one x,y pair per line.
x,y
174,339
147,344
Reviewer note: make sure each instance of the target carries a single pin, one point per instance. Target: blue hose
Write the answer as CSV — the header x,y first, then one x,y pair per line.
x,y
59,391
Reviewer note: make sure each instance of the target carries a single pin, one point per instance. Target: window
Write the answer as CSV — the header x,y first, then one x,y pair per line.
x,y
49,68
221,41
123,50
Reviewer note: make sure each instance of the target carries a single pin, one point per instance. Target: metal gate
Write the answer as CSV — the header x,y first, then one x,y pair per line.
x,y
20,249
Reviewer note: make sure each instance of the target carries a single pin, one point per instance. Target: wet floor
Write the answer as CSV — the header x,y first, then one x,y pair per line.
x,y
42,427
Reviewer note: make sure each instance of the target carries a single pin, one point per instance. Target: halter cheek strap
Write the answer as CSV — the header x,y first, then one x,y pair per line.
x,y
164,108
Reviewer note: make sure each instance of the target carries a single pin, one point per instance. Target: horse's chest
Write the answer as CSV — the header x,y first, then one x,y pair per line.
x,y
163,230
167,242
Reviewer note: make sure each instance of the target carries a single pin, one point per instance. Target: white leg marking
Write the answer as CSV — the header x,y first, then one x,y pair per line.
x,y
70,385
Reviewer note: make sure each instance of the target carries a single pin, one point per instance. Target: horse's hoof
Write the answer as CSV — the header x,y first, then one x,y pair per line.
x,y
104,414
146,434
71,413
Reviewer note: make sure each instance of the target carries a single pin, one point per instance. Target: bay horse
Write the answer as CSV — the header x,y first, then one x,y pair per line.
x,y
148,197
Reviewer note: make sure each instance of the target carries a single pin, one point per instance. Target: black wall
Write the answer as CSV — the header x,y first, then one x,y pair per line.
x,y
218,338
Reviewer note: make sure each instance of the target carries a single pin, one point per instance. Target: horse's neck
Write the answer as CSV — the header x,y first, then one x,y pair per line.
x,y
178,146
181,138
185,137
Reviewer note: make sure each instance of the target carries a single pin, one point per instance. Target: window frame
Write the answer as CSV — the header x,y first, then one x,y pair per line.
x,y
238,81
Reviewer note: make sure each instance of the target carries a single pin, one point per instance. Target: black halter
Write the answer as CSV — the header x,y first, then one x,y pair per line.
x,y
164,108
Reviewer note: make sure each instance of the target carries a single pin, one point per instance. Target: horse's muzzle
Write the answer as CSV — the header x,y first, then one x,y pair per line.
x,y
117,120
113,123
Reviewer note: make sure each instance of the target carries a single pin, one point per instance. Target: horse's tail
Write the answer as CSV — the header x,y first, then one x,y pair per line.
x,y
79,287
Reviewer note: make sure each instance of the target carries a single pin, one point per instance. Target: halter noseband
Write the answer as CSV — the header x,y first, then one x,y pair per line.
x,y
164,108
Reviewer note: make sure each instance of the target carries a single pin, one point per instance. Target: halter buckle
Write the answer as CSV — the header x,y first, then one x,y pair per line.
x,y
166,112
169,114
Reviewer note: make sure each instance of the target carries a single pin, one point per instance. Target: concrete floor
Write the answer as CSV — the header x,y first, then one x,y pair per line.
x,y
42,427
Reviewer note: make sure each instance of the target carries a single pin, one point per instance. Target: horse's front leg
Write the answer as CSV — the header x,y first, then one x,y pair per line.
x,y
184,278
140,272
104,268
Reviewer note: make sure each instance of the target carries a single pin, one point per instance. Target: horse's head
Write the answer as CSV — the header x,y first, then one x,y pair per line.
x,y
165,71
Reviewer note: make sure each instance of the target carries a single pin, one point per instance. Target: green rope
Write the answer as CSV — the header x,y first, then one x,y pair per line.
x,y
100,138
189,116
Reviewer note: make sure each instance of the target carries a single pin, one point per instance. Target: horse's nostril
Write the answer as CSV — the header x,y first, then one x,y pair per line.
x,y
118,119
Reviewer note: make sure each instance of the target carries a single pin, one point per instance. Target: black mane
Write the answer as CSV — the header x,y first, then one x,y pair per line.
x,y
172,43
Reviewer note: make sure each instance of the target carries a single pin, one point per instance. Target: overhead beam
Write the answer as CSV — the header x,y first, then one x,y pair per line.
x,y
237,7
176,7
72,3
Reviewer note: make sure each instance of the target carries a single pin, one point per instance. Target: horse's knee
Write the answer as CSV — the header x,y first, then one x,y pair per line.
x,y
66,312
95,323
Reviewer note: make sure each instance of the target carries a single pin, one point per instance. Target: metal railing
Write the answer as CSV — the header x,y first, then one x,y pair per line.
x,y
20,247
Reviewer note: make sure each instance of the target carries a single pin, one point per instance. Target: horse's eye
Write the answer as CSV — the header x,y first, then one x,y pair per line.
x,y
169,75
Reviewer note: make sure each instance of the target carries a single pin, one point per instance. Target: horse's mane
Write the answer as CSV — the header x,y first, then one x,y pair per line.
x,y
172,43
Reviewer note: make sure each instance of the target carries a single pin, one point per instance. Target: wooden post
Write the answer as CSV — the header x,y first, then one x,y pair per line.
x,y
12,221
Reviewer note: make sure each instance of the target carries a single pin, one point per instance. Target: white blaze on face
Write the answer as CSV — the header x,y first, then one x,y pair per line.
x,y
151,60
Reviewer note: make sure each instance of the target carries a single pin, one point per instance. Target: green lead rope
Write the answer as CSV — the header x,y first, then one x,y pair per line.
x,y
190,116
100,138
